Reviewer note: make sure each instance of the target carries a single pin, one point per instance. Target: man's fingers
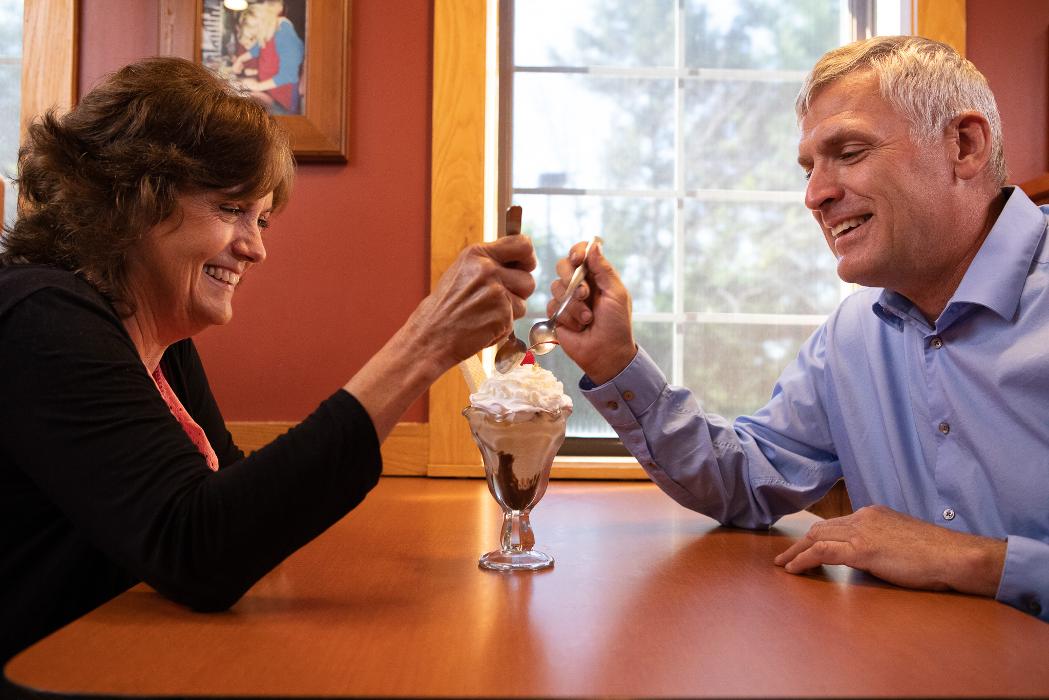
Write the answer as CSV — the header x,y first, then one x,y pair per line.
x,y
577,314
792,551
820,552
604,276
835,529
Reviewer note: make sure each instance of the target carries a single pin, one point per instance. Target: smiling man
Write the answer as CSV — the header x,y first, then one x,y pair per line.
x,y
927,392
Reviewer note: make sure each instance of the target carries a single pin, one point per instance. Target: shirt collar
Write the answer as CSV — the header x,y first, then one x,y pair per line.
x,y
996,276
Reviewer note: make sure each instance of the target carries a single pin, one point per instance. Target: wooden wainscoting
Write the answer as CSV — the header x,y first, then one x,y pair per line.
x,y
405,452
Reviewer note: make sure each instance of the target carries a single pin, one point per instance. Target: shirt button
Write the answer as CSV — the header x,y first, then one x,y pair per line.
x,y
936,342
948,514
628,395
945,428
613,405
1034,607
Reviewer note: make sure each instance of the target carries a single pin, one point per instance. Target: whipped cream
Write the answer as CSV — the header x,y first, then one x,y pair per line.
x,y
521,392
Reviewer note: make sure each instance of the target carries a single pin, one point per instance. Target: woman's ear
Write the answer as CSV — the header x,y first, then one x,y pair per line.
x,y
970,137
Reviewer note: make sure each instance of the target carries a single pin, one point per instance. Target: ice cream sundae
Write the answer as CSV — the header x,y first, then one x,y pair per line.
x,y
518,421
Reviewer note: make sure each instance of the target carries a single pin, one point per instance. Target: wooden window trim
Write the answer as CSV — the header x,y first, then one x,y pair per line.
x,y
50,33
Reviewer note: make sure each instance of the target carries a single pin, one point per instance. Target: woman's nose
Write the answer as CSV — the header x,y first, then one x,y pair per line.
x,y
249,245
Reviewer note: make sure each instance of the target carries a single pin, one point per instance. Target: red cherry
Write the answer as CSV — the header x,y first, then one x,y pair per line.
x,y
529,358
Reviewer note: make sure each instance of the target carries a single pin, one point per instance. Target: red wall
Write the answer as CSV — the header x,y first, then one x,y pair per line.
x,y
349,258
1008,40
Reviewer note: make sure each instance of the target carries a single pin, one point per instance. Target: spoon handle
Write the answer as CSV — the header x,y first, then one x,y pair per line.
x,y
513,220
512,227
510,351
577,277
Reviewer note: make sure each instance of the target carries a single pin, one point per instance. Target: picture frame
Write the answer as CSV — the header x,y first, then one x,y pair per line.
x,y
318,130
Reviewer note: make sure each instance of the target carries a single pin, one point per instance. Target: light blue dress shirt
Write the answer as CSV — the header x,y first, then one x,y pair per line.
x,y
948,423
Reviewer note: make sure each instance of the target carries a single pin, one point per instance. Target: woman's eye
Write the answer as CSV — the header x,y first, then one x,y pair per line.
x,y
236,211
264,223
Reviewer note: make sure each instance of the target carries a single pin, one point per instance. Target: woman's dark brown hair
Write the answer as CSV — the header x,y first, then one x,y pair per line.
x,y
92,181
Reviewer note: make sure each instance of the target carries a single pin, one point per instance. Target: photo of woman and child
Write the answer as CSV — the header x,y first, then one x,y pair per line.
x,y
260,46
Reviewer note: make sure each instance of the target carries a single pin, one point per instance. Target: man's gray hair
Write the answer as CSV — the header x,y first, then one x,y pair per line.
x,y
928,82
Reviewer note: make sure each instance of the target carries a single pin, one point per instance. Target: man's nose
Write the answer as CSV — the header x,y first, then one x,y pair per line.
x,y
823,187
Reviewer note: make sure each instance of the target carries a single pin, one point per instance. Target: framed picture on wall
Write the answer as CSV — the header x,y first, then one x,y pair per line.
x,y
291,55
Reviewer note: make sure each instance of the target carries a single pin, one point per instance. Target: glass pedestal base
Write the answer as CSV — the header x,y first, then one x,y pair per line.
x,y
526,560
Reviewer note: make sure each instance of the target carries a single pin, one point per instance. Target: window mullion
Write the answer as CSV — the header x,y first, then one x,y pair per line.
x,y
678,298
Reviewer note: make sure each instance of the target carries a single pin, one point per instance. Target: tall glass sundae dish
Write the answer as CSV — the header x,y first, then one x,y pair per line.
x,y
518,421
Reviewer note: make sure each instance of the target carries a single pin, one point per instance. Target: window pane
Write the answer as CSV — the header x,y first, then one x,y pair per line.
x,y
741,134
594,33
637,234
636,145
584,131
10,98
759,34
761,257
11,29
733,367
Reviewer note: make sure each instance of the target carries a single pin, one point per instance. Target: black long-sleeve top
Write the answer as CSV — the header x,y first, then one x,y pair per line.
x,y
101,488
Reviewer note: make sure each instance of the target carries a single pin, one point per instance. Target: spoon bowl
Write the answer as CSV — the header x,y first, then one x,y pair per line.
x,y
510,353
542,337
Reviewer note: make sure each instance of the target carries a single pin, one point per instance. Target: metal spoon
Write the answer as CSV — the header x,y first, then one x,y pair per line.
x,y
512,349
543,335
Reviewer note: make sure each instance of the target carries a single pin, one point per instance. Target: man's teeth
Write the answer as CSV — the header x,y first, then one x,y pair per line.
x,y
222,274
848,224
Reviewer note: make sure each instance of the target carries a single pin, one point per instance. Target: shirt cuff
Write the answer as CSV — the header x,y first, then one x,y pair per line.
x,y
628,394
626,397
1024,584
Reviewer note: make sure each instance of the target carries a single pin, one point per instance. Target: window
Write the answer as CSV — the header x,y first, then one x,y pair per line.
x,y
465,205
667,127
10,97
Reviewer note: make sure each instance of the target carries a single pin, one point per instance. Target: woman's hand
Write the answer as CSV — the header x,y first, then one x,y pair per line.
x,y
595,329
476,299
472,306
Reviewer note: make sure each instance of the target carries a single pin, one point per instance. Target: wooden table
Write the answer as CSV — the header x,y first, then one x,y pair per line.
x,y
646,599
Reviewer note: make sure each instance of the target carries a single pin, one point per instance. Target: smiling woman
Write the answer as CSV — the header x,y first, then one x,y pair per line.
x,y
141,212
186,268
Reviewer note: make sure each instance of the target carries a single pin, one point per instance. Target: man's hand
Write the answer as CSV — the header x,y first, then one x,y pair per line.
x,y
901,550
594,329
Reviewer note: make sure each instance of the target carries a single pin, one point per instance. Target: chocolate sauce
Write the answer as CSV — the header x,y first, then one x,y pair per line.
x,y
515,494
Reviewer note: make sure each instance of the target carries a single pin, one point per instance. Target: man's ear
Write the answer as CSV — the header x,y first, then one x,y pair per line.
x,y
969,139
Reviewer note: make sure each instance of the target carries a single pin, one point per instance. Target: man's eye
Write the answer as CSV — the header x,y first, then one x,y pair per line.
x,y
807,175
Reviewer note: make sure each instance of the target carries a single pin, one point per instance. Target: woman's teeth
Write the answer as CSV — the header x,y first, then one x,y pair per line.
x,y
222,274
848,225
